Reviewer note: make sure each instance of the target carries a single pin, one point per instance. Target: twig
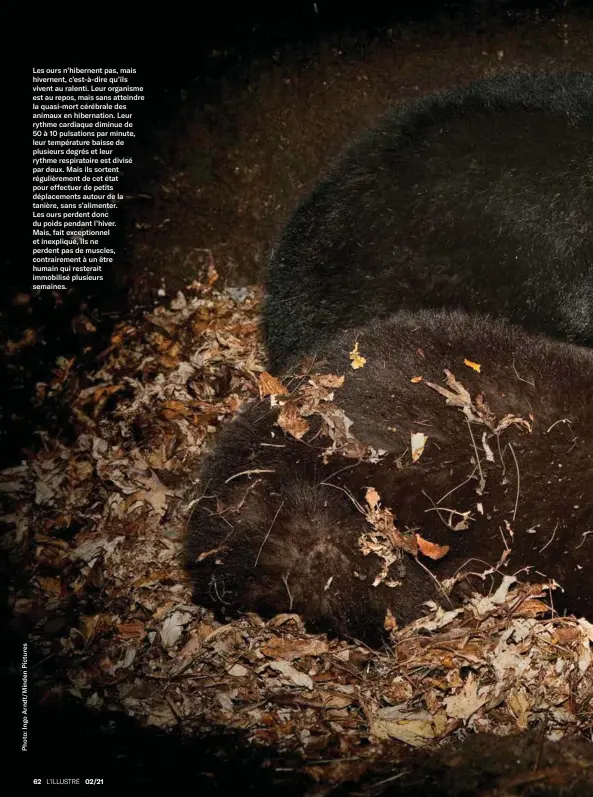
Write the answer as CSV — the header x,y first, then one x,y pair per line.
x,y
268,533
291,600
346,467
561,420
248,472
347,492
520,378
479,466
518,481
469,478
435,579
550,540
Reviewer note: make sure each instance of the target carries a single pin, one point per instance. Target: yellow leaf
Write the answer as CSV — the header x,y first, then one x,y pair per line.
x,y
476,366
358,361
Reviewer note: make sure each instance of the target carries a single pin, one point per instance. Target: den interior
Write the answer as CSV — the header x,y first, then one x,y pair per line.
x,y
110,400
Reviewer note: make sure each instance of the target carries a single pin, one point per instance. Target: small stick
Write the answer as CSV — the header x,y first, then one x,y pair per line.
x,y
268,533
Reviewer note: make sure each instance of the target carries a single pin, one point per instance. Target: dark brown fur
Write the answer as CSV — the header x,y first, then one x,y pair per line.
x,y
478,199
288,539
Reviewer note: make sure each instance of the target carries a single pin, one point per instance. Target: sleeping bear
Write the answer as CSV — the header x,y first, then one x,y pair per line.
x,y
478,199
303,512
430,313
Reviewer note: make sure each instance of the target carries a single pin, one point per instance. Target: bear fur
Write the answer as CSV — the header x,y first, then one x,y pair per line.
x,y
478,199
278,526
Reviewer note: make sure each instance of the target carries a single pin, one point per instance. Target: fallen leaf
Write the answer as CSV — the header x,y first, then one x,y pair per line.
x,y
290,421
238,671
288,649
418,729
327,380
417,442
288,671
476,366
390,623
358,361
466,702
270,386
132,630
372,497
431,549
172,628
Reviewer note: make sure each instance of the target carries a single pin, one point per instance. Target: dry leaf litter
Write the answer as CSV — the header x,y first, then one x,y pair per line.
x,y
97,527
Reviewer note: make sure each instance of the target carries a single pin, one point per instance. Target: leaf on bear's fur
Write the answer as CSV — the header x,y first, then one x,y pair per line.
x,y
291,422
417,442
431,549
476,366
270,386
357,360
